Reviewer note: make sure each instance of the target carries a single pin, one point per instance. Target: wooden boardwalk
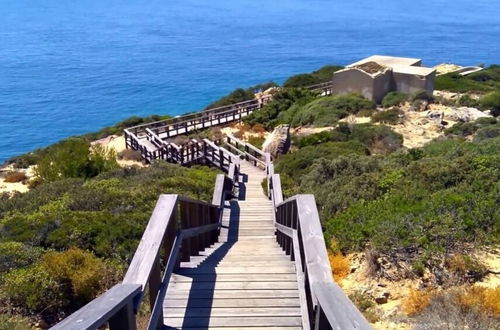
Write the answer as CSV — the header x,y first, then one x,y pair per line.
x,y
245,279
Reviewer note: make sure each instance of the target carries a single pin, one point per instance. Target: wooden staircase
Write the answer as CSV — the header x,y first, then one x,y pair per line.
x,y
243,281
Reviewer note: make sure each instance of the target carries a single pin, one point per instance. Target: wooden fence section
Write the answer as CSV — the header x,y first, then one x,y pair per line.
x,y
150,139
298,231
178,229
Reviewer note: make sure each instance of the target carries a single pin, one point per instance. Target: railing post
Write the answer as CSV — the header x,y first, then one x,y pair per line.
x,y
123,319
154,282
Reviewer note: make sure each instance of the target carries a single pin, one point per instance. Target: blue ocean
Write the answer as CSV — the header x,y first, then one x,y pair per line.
x,y
72,67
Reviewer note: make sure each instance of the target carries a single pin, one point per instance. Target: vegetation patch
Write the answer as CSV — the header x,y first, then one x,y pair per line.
x,y
394,99
392,116
65,241
240,95
483,81
319,76
325,111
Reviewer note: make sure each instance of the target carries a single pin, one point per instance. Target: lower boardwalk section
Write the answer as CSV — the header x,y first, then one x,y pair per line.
x,y
245,280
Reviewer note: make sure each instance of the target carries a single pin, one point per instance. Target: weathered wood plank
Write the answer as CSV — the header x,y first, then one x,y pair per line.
x,y
339,310
240,312
232,322
226,294
234,286
238,302
151,241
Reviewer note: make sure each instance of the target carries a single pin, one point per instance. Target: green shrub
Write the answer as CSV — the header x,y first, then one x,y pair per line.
x,y
469,128
324,74
75,158
480,82
295,164
17,255
14,322
79,273
387,117
325,111
394,99
282,101
491,101
467,101
240,95
33,289
256,141
488,132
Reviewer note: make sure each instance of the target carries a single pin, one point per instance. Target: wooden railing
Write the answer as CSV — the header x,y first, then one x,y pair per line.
x,y
298,231
179,228
247,151
155,132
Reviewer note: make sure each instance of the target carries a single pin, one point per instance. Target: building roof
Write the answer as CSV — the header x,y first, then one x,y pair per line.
x,y
388,60
415,70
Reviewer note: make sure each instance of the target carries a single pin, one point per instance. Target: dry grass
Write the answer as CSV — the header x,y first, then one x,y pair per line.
x,y
13,177
340,265
258,128
416,301
471,308
486,300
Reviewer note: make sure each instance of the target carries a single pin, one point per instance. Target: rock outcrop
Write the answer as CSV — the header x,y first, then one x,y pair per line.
x,y
278,141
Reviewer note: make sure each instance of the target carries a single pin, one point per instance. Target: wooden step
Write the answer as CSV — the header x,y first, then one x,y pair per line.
x,y
246,312
233,322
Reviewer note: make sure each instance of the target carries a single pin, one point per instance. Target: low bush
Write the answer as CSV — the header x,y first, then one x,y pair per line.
x,y
80,271
394,99
325,111
17,255
13,177
366,305
392,116
470,128
491,101
32,289
324,74
488,132
14,322
467,101
256,141
75,158
480,82
282,100
240,95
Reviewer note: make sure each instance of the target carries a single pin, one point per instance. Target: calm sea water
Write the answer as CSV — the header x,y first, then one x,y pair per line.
x,y
71,67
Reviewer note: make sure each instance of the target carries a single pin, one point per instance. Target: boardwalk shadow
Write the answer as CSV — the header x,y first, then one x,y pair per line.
x,y
242,189
204,276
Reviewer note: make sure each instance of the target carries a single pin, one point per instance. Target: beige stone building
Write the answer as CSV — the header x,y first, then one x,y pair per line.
x,y
375,76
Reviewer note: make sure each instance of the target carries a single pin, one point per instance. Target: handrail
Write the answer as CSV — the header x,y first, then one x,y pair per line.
x,y
298,231
181,226
258,156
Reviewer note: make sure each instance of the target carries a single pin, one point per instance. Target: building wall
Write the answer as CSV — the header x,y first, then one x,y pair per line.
x,y
383,84
353,81
410,83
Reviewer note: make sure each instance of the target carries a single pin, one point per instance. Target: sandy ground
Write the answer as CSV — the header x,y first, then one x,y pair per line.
x,y
11,187
117,143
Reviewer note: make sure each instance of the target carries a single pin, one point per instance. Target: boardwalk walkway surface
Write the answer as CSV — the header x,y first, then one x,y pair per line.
x,y
243,280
